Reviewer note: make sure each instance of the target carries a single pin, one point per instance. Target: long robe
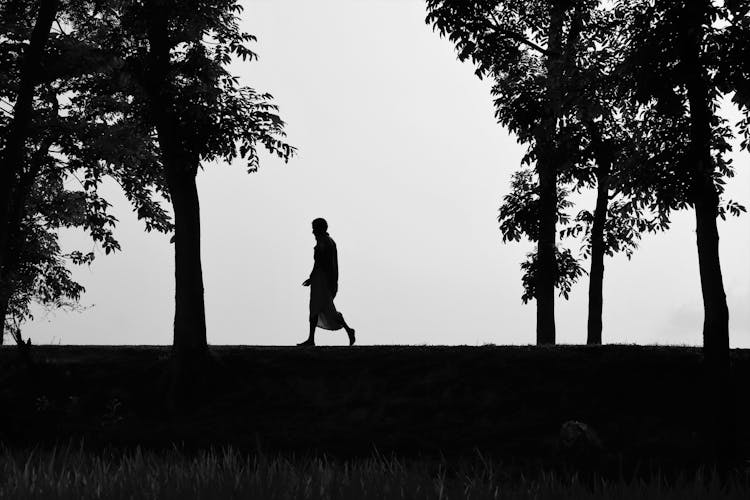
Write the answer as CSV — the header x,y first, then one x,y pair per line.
x,y
324,283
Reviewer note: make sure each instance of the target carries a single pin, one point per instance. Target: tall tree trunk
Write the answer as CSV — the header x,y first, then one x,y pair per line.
x,y
190,317
603,156
189,342
706,203
596,274
705,199
12,158
547,158
716,313
546,258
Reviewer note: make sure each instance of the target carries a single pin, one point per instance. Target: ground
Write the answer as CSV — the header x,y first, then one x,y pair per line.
x,y
645,403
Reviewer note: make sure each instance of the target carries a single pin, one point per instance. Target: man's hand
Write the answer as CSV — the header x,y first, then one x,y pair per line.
x,y
306,282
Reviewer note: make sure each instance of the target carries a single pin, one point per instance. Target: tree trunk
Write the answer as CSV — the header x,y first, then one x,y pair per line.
x,y
705,198
189,342
547,158
716,313
719,402
546,259
12,158
603,155
189,318
190,366
706,203
596,274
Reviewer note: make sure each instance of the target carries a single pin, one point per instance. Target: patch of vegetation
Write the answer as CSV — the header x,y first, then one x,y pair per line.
x,y
70,472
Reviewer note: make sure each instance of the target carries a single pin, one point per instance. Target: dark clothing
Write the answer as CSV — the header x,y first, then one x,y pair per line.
x,y
324,284
327,263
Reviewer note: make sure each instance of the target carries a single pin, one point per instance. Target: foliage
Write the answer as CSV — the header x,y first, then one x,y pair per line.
x,y
509,41
215,117
505,40
624,118
656,73
624,227
519,213
67,144
569,269
92,121
41,276
519,217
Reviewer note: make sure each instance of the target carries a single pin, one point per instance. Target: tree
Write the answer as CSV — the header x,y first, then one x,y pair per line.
x,y
173,62
519,217
38,269
571,100
693,47
611,136
525,47
13,152
63,141
681,43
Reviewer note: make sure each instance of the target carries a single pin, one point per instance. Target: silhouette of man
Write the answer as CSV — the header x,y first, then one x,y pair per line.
x,y
324,283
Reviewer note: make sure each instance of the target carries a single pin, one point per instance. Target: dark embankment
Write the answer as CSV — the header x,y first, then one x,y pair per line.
x,y
645,402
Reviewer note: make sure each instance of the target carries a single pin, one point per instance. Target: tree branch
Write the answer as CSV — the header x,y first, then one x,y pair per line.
x,y
495,23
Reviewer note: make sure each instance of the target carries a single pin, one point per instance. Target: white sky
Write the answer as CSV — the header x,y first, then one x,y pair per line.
x,y
400,152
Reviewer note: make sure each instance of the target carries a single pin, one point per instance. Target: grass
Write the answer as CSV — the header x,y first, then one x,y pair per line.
x,y
73,473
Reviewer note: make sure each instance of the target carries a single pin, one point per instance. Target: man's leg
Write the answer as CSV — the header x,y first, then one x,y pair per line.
x,y
311,338
349,330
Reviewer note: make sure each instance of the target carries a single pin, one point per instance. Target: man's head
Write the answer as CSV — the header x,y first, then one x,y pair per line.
x,y
319,226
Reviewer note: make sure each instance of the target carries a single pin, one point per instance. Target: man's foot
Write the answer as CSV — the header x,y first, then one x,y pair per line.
x,y
350,332
306,343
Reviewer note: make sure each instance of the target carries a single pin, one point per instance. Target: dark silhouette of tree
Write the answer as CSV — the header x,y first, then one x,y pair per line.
x,y
15,132
64,140
595,112
675,56
683,57
519,218
609,130
38,269
564,103
173,60
525,47
563,78
151,100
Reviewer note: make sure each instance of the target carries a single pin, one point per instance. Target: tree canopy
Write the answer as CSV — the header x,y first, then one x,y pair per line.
x,y
67,152
598,91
